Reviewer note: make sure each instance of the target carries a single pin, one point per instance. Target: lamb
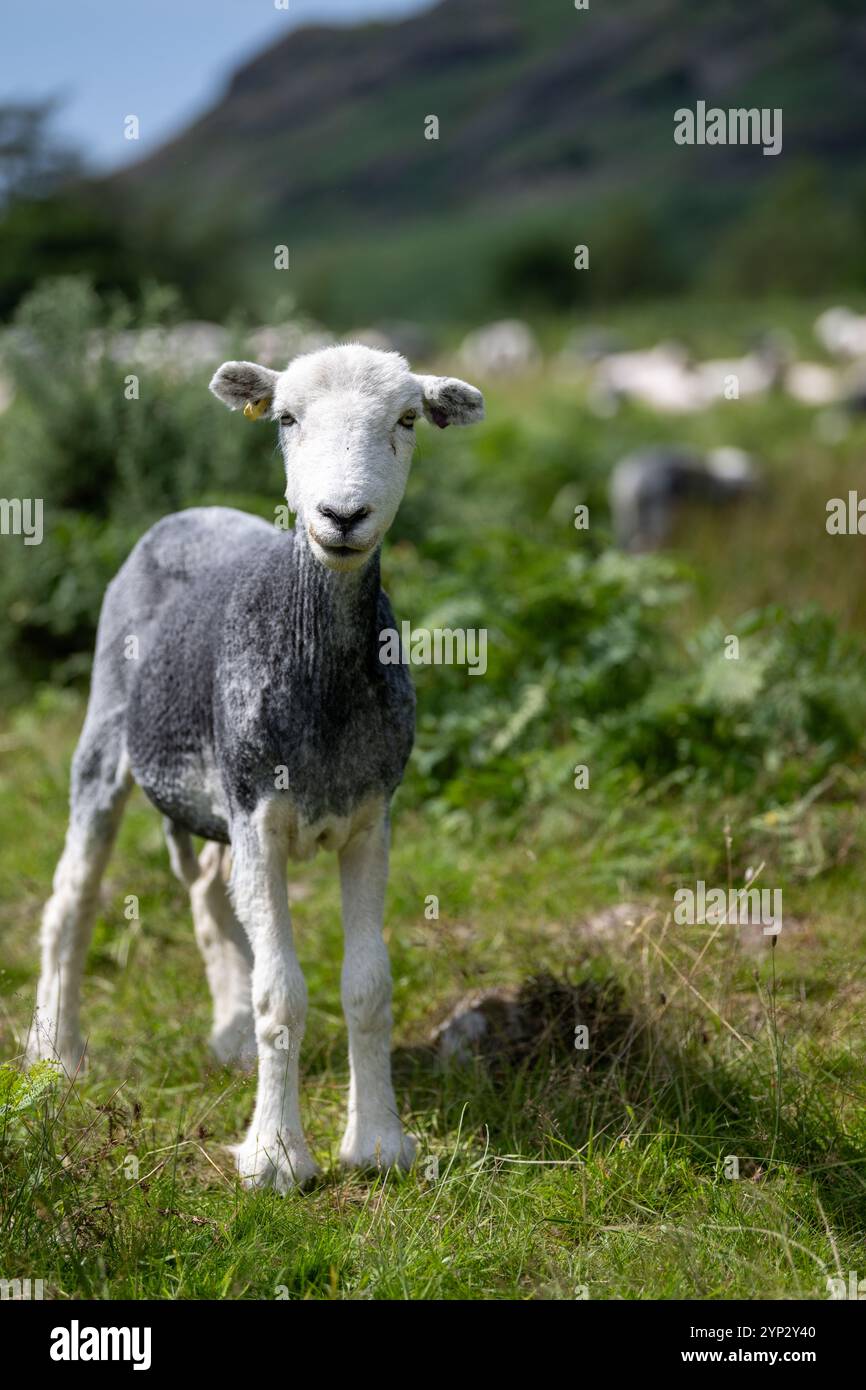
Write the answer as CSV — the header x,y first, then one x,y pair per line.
x,y
237,681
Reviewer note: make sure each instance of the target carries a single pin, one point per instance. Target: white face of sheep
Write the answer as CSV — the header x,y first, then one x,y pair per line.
x,y
346,417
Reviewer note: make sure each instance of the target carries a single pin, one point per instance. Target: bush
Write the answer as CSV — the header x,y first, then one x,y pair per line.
x,y
106,466
630,258
800,237
773,721
585,667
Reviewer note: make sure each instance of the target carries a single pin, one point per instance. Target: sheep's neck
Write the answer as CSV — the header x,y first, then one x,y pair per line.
x,y
335,614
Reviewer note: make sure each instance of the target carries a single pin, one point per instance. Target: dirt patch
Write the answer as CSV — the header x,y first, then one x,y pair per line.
x,y
541,1020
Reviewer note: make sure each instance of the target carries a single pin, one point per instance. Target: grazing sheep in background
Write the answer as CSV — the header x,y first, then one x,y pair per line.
x,y
372,337
413,340
813,383
237,680
278,342
182,350
661,378
842,332
187,348
505,348
647,487
756,373
666,379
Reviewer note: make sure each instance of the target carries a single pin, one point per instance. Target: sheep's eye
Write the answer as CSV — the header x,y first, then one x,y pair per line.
x,y
287,419
408,420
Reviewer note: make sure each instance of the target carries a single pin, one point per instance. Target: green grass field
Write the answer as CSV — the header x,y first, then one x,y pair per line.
x,y
711,1141
554,1176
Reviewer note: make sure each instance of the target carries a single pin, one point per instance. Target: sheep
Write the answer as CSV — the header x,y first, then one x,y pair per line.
x,y
842,332
277,343
646,487
665,379
813,383
412,339
660,377
505,348
255,713
182,349
754,374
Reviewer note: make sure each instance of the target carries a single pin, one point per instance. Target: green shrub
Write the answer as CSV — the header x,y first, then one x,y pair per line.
x,y
106,466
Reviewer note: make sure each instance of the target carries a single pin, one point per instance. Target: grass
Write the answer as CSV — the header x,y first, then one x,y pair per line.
x,y
555,1175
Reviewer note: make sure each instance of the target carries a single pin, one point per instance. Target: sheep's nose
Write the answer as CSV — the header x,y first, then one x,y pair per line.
x,y
345,521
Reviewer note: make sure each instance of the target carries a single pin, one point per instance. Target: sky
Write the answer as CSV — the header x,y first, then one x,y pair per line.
x,y
164,61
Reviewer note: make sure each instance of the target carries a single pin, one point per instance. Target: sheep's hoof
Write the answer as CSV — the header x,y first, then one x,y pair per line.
x,y
378,1149
279,1165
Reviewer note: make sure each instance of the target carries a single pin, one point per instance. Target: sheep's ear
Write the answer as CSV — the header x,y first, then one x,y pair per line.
x,y
448,401
245,386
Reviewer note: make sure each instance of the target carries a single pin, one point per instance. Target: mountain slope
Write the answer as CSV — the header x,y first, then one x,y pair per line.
x,y
319,141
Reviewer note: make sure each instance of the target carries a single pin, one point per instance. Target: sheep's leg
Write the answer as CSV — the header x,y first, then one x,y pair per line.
x,y
223,943
274,1151
101,782
374,1135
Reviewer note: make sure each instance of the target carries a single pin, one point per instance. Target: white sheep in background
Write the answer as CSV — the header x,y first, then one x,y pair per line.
x,y
842,332
506,348
182,349
814,383
740,378
666,379
660,378
280,342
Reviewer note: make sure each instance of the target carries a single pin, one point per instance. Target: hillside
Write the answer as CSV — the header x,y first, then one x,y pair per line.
x,y
544,111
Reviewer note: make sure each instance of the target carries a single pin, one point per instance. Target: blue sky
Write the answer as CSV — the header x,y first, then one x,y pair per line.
x,y
162,60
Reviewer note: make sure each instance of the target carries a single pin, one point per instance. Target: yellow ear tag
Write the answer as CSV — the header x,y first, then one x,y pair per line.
x,y
254,410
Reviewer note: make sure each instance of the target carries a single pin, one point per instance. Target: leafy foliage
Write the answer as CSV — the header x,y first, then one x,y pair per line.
x,y
21,1092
